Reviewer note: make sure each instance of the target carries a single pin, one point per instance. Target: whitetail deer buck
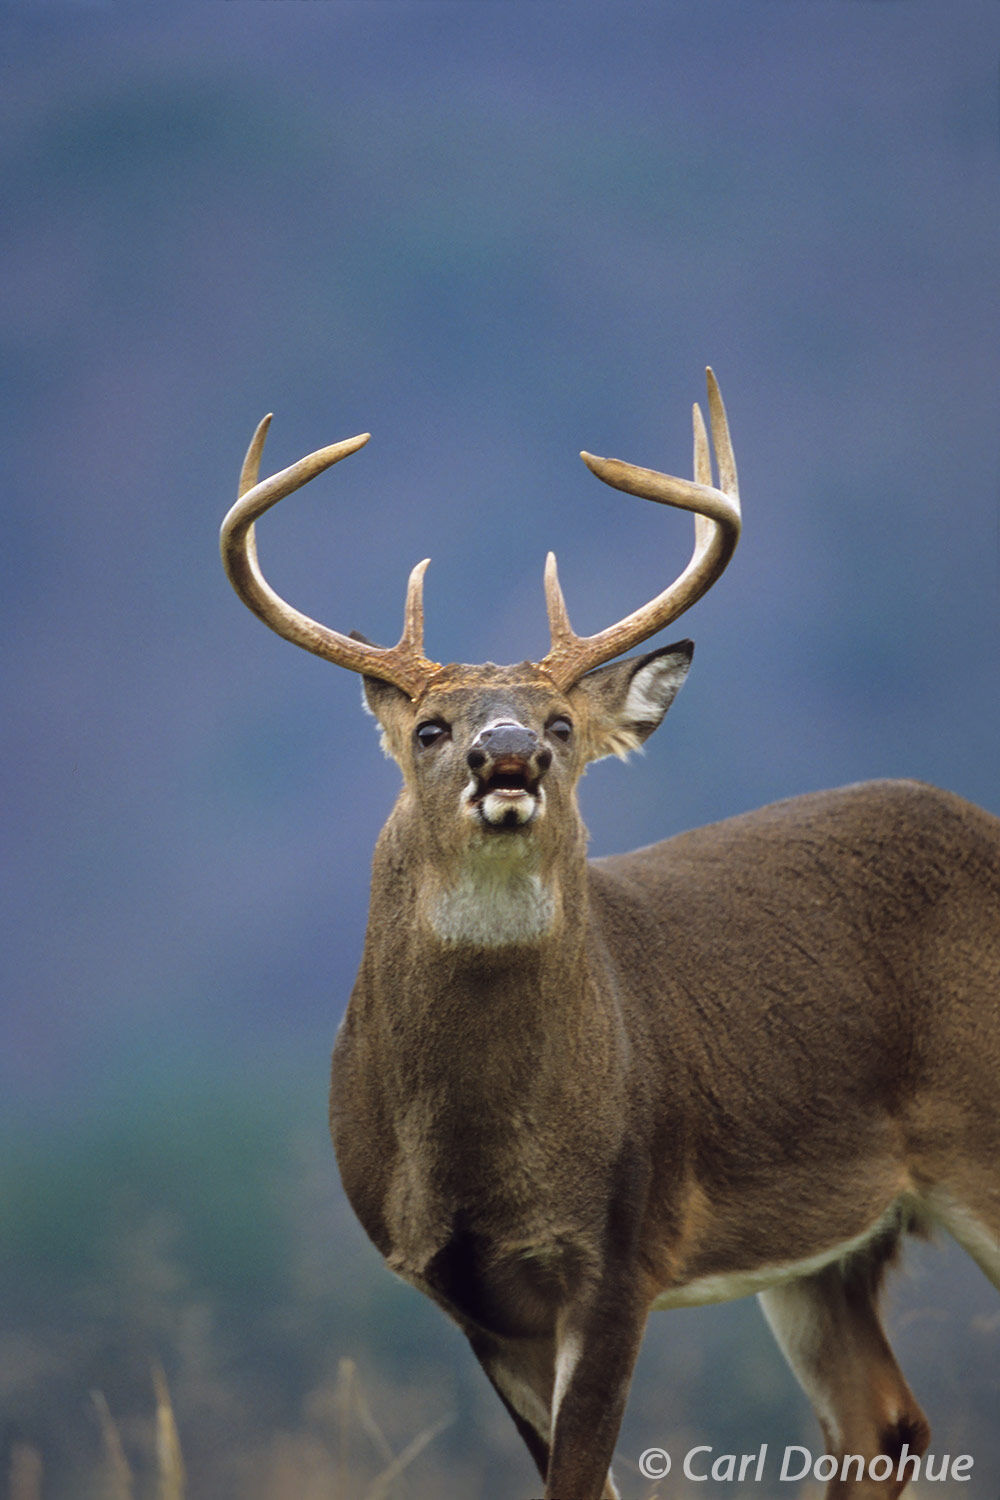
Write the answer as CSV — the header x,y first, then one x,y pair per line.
x,y
746,1059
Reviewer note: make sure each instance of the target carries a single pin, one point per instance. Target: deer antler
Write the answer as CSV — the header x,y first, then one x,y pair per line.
x,y
403,664
716,532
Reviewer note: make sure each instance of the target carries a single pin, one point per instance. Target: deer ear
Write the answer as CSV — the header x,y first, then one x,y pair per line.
x,y
628,699
381,699
388,705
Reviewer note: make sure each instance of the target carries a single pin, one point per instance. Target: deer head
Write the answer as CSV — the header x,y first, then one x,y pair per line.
x,y
505,746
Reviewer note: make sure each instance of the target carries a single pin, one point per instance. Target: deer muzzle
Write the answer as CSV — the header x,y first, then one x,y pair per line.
x,y
508,762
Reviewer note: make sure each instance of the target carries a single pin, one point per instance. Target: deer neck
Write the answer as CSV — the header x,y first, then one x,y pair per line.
x,y
489,968
496,898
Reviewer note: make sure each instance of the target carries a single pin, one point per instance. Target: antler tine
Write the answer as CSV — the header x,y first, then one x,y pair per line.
x,y
717,530
413,610
728,483
403,664
251,464
702,473
559,627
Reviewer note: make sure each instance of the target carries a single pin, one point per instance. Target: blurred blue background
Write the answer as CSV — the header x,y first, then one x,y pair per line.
x,y
490,233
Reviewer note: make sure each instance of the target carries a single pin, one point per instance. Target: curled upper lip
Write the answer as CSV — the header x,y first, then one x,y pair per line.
x,y
505,774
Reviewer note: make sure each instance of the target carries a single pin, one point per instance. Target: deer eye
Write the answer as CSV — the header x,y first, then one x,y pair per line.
x,y
561,728
430,732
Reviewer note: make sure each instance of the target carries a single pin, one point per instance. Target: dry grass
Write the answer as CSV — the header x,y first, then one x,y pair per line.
x,y
169,1463
355,1414
25,1473
335,1465
118,1478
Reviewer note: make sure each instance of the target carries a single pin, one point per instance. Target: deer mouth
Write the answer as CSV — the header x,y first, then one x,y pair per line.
x,y
507,798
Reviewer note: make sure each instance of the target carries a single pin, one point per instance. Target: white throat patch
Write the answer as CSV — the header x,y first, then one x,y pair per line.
x,y
492,905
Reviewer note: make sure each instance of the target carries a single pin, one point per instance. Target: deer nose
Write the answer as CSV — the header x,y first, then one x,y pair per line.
x,y
509,742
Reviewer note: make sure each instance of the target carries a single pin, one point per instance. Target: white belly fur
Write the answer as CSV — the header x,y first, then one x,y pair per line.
x,y
728,1286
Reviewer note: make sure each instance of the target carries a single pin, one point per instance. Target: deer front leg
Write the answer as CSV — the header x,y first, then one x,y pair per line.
x,y
521,1371
525,1373
828,1328
595,1356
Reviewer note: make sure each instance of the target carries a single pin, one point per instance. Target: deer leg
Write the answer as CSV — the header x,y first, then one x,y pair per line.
x,y
979,1242
521,1372
596,1353
525,1373
971,1214
828,1328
